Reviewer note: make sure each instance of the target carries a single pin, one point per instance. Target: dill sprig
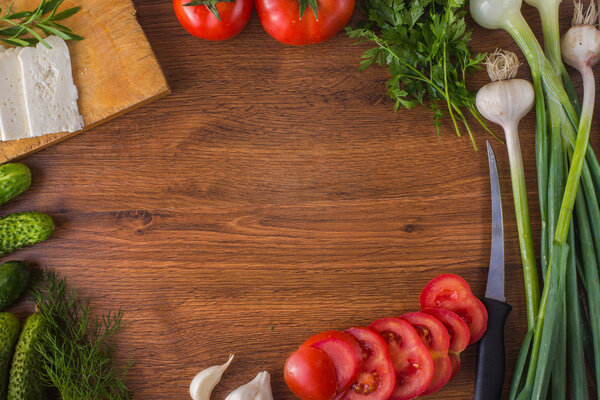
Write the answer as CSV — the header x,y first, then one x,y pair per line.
x,y
77,349
20,28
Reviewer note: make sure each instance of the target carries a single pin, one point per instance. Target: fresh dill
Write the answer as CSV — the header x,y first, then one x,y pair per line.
x,y
77,350
21,28
425,45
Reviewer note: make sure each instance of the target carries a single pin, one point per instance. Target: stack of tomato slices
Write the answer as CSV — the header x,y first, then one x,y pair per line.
x,y
393,358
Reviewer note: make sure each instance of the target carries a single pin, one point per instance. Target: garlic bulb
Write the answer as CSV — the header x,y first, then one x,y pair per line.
x,y
203,384
258,389
506,102
581,44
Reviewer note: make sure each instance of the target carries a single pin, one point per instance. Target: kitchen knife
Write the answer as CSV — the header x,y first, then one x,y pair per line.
x,y
489,377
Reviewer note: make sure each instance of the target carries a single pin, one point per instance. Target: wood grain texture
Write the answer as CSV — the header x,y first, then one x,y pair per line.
x,y
273,195
114,68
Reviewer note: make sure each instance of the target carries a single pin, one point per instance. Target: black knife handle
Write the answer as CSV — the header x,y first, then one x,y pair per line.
x,y
489,377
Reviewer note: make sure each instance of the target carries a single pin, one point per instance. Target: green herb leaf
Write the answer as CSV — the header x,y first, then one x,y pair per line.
x,y
210,4
26,24
77,350
65,14
425,46
16,42
19,15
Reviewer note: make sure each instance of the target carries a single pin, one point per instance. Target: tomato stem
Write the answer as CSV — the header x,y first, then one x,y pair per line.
x,y
313,6
210,4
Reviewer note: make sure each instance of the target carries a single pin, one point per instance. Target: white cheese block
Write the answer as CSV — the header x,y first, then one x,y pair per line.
x,y
13,113
50,94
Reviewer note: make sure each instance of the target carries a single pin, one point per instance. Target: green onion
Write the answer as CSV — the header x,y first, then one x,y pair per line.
x,y
562,144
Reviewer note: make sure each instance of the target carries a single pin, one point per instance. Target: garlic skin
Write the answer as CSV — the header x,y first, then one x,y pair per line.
x,y
203,384
580,46
506,102
257,389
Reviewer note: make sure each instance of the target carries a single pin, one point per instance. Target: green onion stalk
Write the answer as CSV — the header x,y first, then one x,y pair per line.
x,y
549,15
559,116
505,101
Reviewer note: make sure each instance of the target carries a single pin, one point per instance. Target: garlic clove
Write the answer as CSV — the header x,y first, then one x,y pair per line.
x,y
203,384
265,392
257,389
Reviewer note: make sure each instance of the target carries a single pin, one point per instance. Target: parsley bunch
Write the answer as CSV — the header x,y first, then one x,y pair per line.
x,y
424,44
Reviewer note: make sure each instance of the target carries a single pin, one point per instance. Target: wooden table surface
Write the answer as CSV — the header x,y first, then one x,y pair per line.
x,y
275,194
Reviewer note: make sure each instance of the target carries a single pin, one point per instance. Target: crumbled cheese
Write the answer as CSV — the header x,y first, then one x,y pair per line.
x,y
49,92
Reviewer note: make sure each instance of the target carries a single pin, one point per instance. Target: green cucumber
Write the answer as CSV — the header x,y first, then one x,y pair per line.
x,y
25,382
24,229
9,333
14,180
14,279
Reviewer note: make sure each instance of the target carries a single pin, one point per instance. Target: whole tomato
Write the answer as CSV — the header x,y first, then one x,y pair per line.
x,y
310,374
282,20
201,21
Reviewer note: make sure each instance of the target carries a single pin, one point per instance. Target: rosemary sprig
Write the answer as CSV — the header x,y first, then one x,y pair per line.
x,y
77,349
21,28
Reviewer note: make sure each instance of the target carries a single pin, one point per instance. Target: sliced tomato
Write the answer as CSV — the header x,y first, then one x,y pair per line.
x,y
453,293
458,331
437,340
309,373
343,351
412,362
376,380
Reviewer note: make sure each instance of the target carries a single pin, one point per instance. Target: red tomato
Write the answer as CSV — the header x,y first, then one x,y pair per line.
x,y
310,375
201,22
458,331
281,19
377,379
412,362
437,340
343,351
453,293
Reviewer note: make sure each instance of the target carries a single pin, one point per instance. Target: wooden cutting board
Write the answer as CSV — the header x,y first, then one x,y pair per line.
x,y
114,68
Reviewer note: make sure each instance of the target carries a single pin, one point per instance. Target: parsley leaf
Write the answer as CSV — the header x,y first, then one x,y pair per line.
x,y
425,45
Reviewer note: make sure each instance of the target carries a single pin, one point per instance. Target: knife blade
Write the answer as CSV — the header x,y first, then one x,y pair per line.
x,y
495,282
489,376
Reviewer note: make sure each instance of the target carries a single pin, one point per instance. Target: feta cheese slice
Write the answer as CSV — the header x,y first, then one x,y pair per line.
x,y
50,94
13,113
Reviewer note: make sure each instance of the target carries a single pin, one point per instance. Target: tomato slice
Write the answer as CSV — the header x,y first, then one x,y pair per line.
x,y
309,373
453,293
376,380
343,351
437,340
458,331
412,363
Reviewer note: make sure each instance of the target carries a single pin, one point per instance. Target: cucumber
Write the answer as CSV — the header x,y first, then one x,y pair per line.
x,y
23,229
24,380
14,180
14,279
9,333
